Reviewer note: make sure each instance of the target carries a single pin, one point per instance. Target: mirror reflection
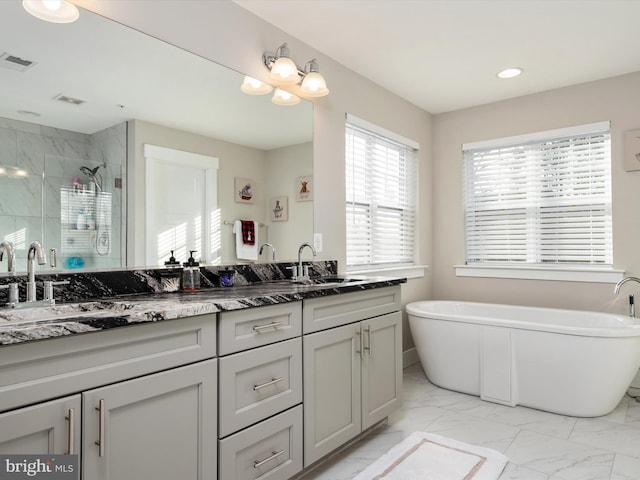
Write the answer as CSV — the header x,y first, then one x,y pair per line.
x,y
79,103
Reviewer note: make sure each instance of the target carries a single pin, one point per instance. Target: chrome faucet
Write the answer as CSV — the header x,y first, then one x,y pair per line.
x,y
303,272
616,291
273,250
7,247
36,251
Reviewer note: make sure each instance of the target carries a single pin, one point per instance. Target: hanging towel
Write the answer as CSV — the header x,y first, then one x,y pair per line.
x,y
245,252
248,232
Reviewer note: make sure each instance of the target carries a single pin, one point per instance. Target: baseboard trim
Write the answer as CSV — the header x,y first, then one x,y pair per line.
x,y
410,357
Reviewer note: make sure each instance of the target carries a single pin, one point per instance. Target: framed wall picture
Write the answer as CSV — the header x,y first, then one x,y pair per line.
x,y
632,150
304,188
279,208
244,190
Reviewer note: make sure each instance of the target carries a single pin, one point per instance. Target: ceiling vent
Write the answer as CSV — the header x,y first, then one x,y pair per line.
x,y
67,99
13,62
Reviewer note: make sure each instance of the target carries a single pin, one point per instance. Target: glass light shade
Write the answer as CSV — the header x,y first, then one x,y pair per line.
x,y
314,85
284,72
253,86
56,11
282,97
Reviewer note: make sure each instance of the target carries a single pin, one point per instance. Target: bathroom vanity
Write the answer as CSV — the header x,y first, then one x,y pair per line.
x,y
258,381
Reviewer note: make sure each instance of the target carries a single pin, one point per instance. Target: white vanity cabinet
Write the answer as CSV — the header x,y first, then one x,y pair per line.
x,y
143,400
352,353
260,392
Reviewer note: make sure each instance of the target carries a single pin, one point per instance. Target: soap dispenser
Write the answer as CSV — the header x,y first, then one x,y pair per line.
x,y
191,273
172,262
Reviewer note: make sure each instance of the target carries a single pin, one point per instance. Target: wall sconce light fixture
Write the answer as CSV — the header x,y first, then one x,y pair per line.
x,y
56,11
284,72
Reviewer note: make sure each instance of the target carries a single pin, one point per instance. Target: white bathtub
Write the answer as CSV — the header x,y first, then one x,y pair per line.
x,y
562,361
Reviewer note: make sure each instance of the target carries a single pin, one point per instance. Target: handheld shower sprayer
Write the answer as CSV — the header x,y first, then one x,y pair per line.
x,y
93,174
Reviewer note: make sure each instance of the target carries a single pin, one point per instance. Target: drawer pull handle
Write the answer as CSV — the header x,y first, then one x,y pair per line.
x,y
274,325
273,381
70,440
100,442
259,463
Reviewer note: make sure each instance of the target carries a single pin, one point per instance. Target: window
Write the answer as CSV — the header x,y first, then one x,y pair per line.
x,y
381,173
541,200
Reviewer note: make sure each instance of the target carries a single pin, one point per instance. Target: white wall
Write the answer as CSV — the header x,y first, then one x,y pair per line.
x,y
616,99
223,32
284,166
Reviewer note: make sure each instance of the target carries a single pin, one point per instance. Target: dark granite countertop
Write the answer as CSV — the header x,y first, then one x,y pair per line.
x,y
39,323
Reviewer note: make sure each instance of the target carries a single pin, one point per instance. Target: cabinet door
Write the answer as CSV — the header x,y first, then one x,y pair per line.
x,y
161,426
46,428
332,413
381,367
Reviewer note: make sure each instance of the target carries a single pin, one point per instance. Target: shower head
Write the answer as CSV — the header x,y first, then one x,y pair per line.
x,y
88,171
93,174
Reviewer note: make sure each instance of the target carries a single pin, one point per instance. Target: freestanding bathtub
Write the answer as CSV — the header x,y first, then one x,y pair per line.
x,y
563,361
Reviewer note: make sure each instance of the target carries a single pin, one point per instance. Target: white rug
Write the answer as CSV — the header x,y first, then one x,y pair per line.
x,y
427,456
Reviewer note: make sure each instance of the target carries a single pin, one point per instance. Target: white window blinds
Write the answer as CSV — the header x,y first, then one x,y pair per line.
x,y
381,199
540,199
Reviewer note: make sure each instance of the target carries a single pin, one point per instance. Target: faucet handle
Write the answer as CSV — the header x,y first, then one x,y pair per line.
x,y
53,257
48,289
13,293
294,272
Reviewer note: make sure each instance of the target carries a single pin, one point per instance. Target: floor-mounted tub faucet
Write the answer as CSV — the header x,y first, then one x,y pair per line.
x,y
616,291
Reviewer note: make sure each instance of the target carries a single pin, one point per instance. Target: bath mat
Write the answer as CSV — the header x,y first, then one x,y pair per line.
x,y
427,456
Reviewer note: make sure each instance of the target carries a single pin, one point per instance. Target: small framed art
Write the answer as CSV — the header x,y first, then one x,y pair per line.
x,y
279,208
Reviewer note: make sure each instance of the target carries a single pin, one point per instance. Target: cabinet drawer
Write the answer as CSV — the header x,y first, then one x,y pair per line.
x,y
259,383
269,450
335,310
243,329
37,371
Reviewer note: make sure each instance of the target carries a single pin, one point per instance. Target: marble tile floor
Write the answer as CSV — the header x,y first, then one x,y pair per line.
x,y
539,445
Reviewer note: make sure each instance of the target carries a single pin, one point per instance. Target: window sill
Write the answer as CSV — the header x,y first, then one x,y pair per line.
x,y
413,271
563,274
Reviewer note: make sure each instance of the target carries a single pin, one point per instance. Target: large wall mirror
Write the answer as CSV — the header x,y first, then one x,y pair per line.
x,y
80,103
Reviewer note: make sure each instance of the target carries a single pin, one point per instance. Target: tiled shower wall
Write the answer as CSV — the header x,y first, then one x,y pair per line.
x,y
51,158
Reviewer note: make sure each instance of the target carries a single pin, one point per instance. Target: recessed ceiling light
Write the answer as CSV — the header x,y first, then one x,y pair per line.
x,y
56,11
510,72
